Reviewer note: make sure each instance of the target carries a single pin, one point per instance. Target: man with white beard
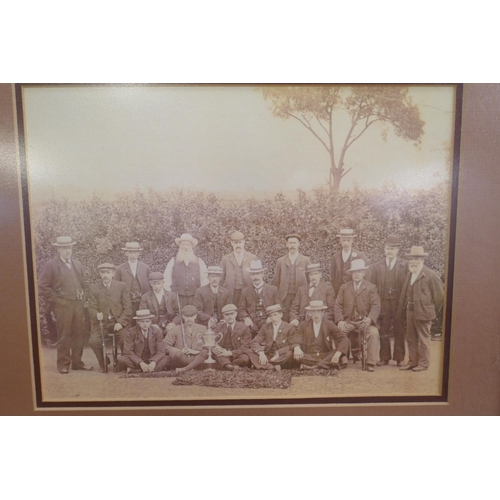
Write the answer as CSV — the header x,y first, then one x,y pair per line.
x,y
185,272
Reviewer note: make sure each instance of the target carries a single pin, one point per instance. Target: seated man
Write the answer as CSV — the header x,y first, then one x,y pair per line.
x,y
357,309
272,346
315,289
321,343
161,302
232,351
109,304
210,299
144,349
184,342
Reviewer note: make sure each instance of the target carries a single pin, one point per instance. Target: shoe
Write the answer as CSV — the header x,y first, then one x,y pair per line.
x,y
64,371
438,338
229,367
370,368
401,363
83,367
343,366
419,369
277,368
382,363
407,367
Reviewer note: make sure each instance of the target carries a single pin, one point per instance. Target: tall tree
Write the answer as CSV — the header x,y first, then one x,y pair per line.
x,y
316,107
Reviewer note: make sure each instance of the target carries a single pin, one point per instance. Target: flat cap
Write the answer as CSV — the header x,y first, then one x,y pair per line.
x,y
189,311
106,265
156,276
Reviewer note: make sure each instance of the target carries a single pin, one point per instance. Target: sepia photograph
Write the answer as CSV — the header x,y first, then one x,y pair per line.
x,y
239,244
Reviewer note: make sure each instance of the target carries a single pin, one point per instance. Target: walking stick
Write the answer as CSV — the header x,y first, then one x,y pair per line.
x,y
182,324
103,345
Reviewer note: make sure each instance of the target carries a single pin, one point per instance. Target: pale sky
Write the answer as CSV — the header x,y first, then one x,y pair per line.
x,y
211,138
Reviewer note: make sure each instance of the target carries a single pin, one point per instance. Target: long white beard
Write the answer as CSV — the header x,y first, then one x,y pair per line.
x,y
186,256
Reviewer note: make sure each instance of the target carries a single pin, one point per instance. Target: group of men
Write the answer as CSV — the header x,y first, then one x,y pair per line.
x,y
160,319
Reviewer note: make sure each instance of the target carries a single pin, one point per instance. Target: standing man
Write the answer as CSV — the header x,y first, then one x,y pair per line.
x,y
273,346
389,275
134,273
341,261
421,300
233,350
160,302
144,349
321,343
210,299
255,298
235,275
184,342
290,273
357,309
185,272
315,289
61,284
109,303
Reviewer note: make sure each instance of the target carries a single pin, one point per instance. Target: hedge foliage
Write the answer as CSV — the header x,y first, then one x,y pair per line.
x,y
101,227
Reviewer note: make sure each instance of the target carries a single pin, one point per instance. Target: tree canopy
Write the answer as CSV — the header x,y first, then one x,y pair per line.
x,y
315,107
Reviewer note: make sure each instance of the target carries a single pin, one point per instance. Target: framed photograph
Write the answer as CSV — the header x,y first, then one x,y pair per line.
x,y
320,219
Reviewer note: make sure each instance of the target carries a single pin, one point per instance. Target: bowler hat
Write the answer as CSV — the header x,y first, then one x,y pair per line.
x,y
156,276
229,308
133,246
256,267
143,314
188,310
316,305
346,233
106,265
357,265
64,241
273,309
393,240
417,252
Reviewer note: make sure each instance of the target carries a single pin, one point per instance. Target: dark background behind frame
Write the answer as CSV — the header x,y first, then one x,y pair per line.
x,y
475,349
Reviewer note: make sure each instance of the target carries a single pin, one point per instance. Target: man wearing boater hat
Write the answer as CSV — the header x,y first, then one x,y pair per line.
x,y
210,299
161,303
184,342
62,284
134,273
357,308
255,298
341,261
273,346
233,350
321,343
389,275
290,273
421,300
109,303
315,289
185,272
143,348
235,275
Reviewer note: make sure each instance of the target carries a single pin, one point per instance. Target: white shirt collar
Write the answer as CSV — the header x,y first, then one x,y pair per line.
x,y
239,257
276,329
215,291
133,267
346,255
293,258
316,328
392,263
159,296
414,275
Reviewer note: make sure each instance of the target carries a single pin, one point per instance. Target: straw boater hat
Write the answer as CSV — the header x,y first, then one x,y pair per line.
x,y
417,252
214,270
357,265
316,305
186,237
237,235
143,314
256,267
132,246
64,241
273,309
346,233
156,276
310,268
188,310
106,265
293,235
229,308
393,240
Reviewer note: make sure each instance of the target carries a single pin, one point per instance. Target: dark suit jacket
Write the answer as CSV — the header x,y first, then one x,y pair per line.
x,y
149,301
282,273
204,302
240,337
428,296
248,304
336,265
134,344
113,302
330,336
323,291
56,281
124,274
367,299
376,275
286,338
229,266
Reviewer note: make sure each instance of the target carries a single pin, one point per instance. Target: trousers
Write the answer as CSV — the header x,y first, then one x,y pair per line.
x,y
387,321
418,335
162,364
372,344
95,339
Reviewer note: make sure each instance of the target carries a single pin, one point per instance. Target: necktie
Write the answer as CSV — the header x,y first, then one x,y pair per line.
x,y
390,263
311,290
68,263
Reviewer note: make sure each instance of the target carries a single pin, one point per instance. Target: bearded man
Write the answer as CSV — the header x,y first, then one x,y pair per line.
x,y
185,272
